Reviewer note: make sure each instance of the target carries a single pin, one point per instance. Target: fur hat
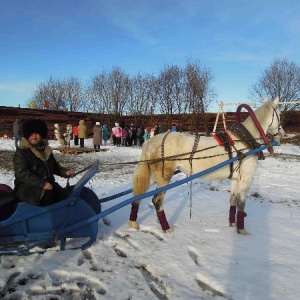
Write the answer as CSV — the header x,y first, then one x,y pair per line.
x,y
97,123
35,126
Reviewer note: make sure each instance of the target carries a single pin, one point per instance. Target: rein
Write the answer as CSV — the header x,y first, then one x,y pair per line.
x,y
173,157
77,173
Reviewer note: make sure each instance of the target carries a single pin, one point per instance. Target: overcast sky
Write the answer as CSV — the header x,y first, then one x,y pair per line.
x,y
236,39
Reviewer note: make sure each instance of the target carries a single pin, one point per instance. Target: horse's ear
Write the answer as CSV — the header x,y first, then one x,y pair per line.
x,y
266,99
276,101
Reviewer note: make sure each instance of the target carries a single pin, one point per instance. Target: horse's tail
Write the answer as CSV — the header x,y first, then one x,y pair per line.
x,y
141,177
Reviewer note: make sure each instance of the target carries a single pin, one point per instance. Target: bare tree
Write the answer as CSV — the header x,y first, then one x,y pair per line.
x,y
140,96
199,93
119,90
175,91
166,89
56,91
170,92
281,79
110,91
50,94
73,94
99,93
39,97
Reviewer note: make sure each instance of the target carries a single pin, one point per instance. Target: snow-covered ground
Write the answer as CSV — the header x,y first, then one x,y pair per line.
x,y
202,259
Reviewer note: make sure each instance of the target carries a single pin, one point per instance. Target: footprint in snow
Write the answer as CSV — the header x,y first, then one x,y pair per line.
x,y
155,284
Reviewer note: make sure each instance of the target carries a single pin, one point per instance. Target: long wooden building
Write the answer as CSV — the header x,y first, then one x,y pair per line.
x,y
9,114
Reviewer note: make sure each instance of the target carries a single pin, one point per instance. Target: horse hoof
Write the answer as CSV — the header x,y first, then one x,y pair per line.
x,y
242,231
133,224
169,230
232,224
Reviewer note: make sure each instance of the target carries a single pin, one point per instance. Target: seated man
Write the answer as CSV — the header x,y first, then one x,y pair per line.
x,y
35,167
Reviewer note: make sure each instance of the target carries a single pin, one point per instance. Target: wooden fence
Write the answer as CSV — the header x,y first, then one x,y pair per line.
x,y
184,122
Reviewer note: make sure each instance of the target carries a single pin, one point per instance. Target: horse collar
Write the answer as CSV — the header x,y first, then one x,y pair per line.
x,y
240,130
257,124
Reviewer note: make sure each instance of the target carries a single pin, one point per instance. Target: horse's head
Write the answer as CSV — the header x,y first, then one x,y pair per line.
x,y
275,129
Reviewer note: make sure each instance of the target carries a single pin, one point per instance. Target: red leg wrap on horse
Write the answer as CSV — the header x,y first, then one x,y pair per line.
x,y
240,220
134,212
163,221
232,213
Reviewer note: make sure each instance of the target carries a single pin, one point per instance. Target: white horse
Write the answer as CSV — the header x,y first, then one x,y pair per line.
x,y
164,153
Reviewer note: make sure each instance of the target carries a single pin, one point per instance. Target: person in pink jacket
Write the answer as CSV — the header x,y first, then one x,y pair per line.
x,y
118,134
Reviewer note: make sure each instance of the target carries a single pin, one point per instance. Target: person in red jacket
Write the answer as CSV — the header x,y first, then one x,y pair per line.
x,y
75,134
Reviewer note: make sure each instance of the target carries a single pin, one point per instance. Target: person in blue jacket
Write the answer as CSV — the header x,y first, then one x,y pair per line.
x,y
174,127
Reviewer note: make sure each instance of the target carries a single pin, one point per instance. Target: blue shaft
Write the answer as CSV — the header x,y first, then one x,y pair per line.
x,y
159,190
109,198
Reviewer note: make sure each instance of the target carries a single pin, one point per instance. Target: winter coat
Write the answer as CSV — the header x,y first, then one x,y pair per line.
x,y
75,130
146,136
125,133
156,130
16,128
118,132
33,169
139,132
97,137
174,128
105,133
82,131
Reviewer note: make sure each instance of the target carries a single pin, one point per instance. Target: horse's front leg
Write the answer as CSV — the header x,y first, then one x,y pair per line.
x,y
157,201
239,190
240,216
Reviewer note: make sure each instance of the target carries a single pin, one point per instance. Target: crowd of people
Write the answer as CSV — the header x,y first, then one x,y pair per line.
x,y
127,135
134,135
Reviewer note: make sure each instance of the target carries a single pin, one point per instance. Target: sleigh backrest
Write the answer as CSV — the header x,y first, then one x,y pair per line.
x,y
84,179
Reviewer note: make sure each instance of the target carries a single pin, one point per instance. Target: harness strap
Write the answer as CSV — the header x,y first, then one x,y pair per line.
x,y
163,152
224,139
240,130
195,146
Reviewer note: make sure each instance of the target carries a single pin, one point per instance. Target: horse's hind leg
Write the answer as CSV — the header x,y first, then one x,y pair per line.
x,y
141,183
232,209
158,199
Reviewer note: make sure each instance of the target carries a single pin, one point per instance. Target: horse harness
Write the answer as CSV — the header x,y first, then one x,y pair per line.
x,y
246,137
163,151
195,146
224,139
194,149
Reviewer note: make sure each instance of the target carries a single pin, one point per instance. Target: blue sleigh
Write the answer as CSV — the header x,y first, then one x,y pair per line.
x,y
27,226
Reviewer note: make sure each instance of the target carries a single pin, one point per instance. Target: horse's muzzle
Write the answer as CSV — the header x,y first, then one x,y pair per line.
x,y
277,137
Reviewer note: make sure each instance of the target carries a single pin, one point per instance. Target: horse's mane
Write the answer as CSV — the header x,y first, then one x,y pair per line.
x,y
262,113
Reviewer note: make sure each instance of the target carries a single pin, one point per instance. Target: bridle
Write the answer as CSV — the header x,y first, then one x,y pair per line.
x,y
278,120
257,124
